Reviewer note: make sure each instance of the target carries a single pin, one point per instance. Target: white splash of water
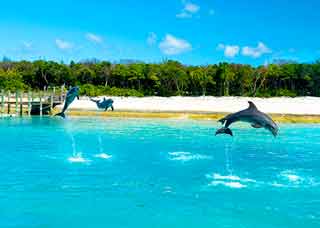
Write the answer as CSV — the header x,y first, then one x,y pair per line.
x,y
218,176
73,144
187,156
100,144
291,176
232,184
103,156
228,160
231,181
77,158
178,153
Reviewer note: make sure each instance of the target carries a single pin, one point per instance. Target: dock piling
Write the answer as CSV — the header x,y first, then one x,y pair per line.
x,y
21,103
9,94
40,96
2,101
16,102
29,103
51,99
61,95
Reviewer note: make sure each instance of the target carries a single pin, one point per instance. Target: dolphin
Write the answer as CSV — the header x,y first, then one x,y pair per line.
x,y
250,115
71,95
104,104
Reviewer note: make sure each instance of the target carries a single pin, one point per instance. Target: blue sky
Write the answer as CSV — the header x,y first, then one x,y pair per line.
x,y
193,32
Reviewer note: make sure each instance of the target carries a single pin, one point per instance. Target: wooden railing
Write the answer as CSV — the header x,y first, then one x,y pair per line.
x,y
31,102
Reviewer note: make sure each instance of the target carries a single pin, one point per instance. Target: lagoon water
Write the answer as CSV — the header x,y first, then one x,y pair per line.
x,y
102,172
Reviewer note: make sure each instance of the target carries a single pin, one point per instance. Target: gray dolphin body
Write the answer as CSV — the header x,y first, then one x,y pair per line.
x,y
71,95
250,115
104,104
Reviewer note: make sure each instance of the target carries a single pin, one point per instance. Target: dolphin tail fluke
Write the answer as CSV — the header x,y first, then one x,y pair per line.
x,y
61,114
224,130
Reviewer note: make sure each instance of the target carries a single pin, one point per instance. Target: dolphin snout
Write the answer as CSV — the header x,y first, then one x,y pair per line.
x,y
275,132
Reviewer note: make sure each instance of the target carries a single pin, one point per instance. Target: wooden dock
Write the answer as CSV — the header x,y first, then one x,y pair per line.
x,y
29,103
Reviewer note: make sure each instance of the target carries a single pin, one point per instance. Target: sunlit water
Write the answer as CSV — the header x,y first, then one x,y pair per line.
x,y
92,172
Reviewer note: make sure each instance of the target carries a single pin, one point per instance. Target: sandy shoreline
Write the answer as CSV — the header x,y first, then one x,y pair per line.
x,y
206,105
282,109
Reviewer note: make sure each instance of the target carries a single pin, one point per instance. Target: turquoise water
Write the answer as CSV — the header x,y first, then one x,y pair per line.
x,y
86,172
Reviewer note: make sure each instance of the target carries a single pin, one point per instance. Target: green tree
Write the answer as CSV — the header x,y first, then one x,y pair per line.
x,y
200,79
11,80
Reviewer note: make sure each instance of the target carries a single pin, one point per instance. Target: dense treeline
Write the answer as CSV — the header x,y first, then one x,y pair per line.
x,y
165,79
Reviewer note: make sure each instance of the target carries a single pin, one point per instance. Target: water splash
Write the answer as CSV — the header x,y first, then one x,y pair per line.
x,y
100,144
228,157
228,184
73,144
187,156
77,158
229,181
103,156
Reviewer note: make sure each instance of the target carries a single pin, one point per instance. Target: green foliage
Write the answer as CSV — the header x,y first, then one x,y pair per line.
x,y
11,80
92,91
168,78
113,91
285,93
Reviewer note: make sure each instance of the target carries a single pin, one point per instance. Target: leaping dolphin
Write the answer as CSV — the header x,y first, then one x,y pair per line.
x,y
104,104
71,95
250,115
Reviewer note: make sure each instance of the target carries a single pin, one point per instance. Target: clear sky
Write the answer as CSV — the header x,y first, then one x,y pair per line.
x,y
193,32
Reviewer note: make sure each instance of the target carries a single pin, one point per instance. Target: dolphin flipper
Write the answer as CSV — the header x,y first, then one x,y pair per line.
x,y
256,125
106,109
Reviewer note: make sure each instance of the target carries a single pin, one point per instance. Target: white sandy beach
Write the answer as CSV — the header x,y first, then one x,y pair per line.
x,y
279,105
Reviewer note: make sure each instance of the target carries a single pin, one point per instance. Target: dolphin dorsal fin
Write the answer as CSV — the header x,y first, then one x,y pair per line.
x,y
252,106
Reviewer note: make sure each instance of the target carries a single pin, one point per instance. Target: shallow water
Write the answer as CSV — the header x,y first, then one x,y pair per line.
x,y
86,172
